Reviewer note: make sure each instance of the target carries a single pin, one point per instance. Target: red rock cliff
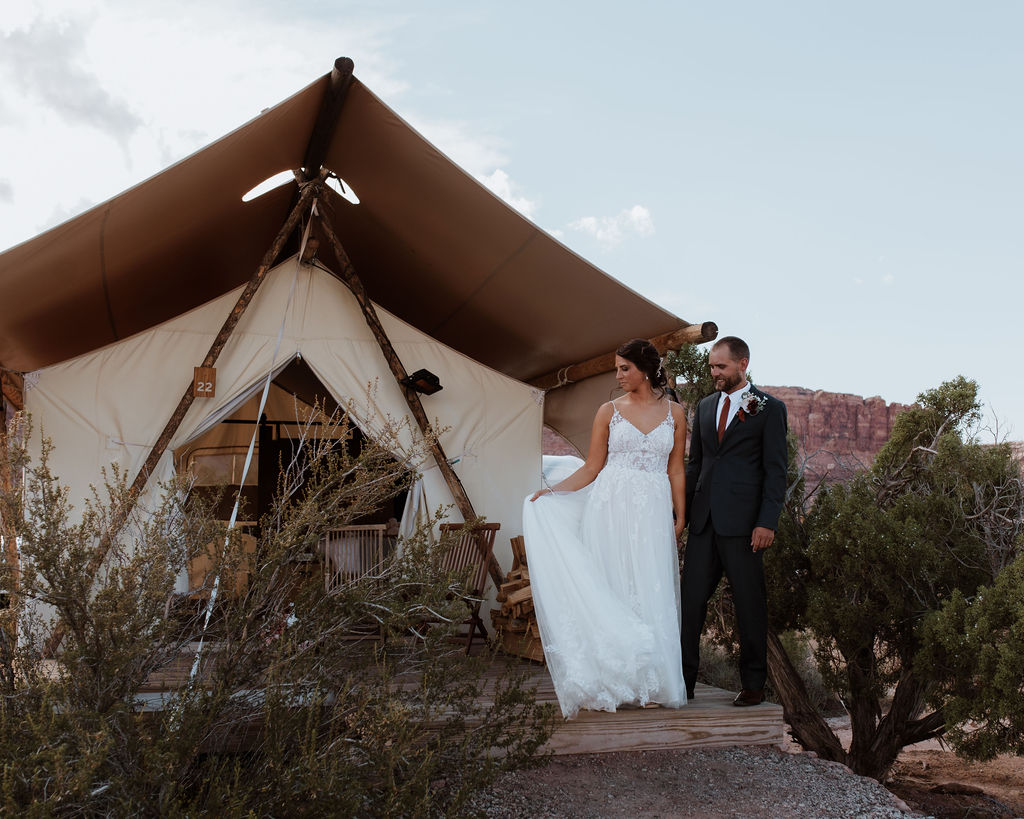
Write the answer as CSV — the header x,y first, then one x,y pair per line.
x,y
839,432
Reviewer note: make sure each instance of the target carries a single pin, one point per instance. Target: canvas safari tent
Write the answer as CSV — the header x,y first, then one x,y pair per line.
x,y
105,317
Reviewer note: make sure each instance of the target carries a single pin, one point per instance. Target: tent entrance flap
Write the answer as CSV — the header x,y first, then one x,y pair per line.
x,y
232,406
299,411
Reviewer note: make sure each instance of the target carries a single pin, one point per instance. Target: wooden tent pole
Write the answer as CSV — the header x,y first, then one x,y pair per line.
x,y
12,391
327,120
12,385
348,275
308,191
690,334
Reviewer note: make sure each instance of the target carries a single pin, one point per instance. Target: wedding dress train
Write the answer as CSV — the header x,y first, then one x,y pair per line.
x,y
605,578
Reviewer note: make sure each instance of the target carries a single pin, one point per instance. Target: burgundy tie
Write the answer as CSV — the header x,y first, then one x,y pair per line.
x,y
722,418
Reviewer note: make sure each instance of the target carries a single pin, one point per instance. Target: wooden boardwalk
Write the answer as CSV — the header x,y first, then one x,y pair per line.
x,y
709,720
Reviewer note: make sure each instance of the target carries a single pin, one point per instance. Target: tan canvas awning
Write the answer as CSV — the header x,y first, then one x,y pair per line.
x,y
432,245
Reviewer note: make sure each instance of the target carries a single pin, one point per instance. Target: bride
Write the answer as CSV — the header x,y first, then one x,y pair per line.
x,y
601,546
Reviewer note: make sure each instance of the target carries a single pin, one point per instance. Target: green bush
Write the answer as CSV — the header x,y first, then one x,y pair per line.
x,y
304,703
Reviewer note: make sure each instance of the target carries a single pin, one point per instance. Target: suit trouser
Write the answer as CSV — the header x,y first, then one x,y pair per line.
x,y
708,555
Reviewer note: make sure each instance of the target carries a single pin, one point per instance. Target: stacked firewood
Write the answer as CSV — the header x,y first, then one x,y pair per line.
x,y
516,621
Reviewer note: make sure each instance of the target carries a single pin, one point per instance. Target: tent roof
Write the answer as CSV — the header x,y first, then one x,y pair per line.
x,y
430,243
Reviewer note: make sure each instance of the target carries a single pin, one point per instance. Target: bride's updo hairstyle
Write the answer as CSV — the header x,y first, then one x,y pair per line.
x,y
646,358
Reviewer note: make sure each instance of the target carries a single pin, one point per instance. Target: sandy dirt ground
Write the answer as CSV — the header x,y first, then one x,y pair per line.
x,y
933,780
937,782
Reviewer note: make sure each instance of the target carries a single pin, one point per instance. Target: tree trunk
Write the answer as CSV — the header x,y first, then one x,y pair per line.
x,y
898,728
865,712
806,724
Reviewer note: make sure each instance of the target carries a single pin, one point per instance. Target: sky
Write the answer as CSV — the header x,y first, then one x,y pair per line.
x,y
840,184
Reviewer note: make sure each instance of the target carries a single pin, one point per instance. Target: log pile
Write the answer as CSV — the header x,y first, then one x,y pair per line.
x,y
516,621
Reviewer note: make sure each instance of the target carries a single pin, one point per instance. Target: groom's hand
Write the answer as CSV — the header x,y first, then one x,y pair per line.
x,y
761,538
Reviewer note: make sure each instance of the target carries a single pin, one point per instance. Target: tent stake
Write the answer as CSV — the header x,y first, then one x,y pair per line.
x,y
120,517
351,280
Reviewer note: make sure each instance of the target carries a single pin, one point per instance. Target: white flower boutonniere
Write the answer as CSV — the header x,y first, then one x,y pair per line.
x,y
751,404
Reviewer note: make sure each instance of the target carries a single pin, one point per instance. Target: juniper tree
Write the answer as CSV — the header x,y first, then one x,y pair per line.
x,y
909,581
870,563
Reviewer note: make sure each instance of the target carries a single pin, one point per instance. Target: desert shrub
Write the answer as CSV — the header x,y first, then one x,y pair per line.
x,y
287,700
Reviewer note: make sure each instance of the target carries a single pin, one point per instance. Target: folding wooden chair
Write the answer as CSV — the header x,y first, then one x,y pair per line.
x,y
470,549
351,552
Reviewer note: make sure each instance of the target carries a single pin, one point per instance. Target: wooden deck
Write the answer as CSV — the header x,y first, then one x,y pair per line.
x,y
709,720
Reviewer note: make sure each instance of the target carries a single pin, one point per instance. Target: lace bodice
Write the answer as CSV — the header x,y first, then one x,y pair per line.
x,y
629,448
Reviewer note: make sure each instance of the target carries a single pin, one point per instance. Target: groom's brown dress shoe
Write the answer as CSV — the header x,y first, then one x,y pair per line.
x,y
749,697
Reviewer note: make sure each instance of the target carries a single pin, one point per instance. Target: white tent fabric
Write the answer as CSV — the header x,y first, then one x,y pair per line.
x,y
110,405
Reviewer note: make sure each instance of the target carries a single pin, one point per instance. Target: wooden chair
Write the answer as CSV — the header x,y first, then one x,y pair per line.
x,y
470,550
202,569
351,552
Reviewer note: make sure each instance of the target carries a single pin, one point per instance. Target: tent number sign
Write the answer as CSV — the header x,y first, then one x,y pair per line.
x,y
204,383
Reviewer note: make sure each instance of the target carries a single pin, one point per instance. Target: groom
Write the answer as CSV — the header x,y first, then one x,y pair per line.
x,y
735,485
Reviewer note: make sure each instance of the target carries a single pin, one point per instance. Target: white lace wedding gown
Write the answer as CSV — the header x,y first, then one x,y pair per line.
x,y
605,578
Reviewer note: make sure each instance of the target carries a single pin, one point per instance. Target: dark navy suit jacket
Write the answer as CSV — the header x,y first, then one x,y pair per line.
x,y
740,483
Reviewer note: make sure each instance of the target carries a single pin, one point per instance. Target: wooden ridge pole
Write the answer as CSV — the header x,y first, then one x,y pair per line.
x,y
308,191
690,334
327,119
348,275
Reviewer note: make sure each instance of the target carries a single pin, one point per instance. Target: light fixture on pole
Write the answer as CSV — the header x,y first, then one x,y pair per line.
x,y
423,381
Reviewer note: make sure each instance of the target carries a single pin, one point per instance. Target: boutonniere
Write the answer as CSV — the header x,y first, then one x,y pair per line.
x,y
751,404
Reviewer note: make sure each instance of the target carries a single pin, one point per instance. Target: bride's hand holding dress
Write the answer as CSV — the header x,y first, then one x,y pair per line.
x,y
601,546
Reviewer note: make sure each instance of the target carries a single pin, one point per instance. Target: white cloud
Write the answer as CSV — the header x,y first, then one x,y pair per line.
x,y
501,185
46,62
888,279
611,231
97,95
62,213
479,154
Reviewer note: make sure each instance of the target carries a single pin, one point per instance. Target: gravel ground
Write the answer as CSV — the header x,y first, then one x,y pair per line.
x,y
760,781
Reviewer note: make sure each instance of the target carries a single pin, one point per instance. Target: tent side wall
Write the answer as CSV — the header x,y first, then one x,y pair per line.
x,y
109,406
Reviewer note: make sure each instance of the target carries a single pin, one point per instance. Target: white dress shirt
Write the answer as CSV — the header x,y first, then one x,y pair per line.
x,y
734,404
